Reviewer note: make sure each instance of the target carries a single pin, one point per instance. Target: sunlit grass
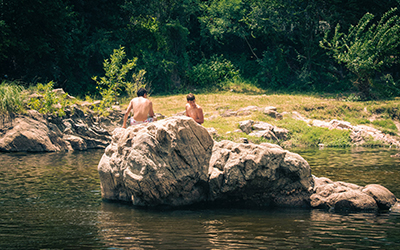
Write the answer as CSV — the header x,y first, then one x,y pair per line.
x,y
11,99
313,107
300,133
238,94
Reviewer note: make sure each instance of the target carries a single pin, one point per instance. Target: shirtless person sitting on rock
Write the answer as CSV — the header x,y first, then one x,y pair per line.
x,y
142,109
193,110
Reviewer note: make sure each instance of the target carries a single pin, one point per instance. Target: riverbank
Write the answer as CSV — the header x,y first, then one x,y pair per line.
x,y
302,115
294,120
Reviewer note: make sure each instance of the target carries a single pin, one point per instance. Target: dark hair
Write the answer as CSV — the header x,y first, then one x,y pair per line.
x,y
141,92
190,97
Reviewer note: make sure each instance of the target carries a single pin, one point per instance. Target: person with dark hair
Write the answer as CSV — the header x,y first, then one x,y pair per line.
x,y
142,109
194,110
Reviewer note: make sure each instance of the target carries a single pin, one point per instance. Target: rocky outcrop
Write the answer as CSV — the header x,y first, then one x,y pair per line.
x,y
31,133
34,132
227,112
348,196
272,111
175,162
263,129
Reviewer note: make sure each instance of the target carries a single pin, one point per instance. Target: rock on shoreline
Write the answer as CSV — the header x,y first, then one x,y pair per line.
x,y
35,132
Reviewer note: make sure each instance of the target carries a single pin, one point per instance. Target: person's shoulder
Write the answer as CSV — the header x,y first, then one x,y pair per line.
x,y
198,106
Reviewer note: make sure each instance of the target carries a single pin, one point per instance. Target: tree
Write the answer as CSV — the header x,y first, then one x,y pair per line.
x,y
367,48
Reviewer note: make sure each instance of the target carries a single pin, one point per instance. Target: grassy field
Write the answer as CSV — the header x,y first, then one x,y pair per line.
x,y
382,115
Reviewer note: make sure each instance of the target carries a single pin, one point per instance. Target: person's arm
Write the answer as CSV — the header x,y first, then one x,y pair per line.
x,y
128,110
186,110
151,112
200,116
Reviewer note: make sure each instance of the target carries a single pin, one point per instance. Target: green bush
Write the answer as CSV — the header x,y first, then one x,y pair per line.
x,y
274,73
11,100
49,101
386,87
138,81
212,72
114,80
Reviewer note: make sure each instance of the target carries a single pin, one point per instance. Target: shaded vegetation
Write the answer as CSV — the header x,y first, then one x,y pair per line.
x,y
193,44
230,53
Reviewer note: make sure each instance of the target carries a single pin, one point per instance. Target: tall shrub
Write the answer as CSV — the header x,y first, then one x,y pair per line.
x,y
116,71
367,48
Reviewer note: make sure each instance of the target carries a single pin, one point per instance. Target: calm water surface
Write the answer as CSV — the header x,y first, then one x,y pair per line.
x,y
52,201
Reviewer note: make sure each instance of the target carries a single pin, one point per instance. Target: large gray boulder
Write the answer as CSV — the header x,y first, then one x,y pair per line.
x,y
175,162
161,163
261,175
263,129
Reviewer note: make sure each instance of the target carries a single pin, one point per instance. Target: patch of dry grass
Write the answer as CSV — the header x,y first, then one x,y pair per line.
x,y
312,107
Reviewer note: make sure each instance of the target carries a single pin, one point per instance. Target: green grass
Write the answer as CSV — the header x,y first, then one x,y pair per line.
x,y
385,123
387,126
238,94
11,100
301,134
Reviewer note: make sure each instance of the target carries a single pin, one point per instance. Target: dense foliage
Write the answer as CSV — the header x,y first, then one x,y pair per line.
x,y
272,43
367,48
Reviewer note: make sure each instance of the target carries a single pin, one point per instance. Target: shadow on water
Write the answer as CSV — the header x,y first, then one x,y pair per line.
x,y
52,201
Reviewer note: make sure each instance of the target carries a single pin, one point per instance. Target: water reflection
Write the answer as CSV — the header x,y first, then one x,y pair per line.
x,y
358,230
52,201
124,227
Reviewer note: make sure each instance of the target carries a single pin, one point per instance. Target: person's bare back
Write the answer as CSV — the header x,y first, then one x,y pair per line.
x,y
142,109
194,110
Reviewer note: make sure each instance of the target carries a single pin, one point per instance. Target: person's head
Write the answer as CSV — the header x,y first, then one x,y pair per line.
x,y
190,97
191,100
141,92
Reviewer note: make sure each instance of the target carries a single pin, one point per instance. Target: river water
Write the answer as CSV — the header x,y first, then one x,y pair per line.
x,y
53,201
